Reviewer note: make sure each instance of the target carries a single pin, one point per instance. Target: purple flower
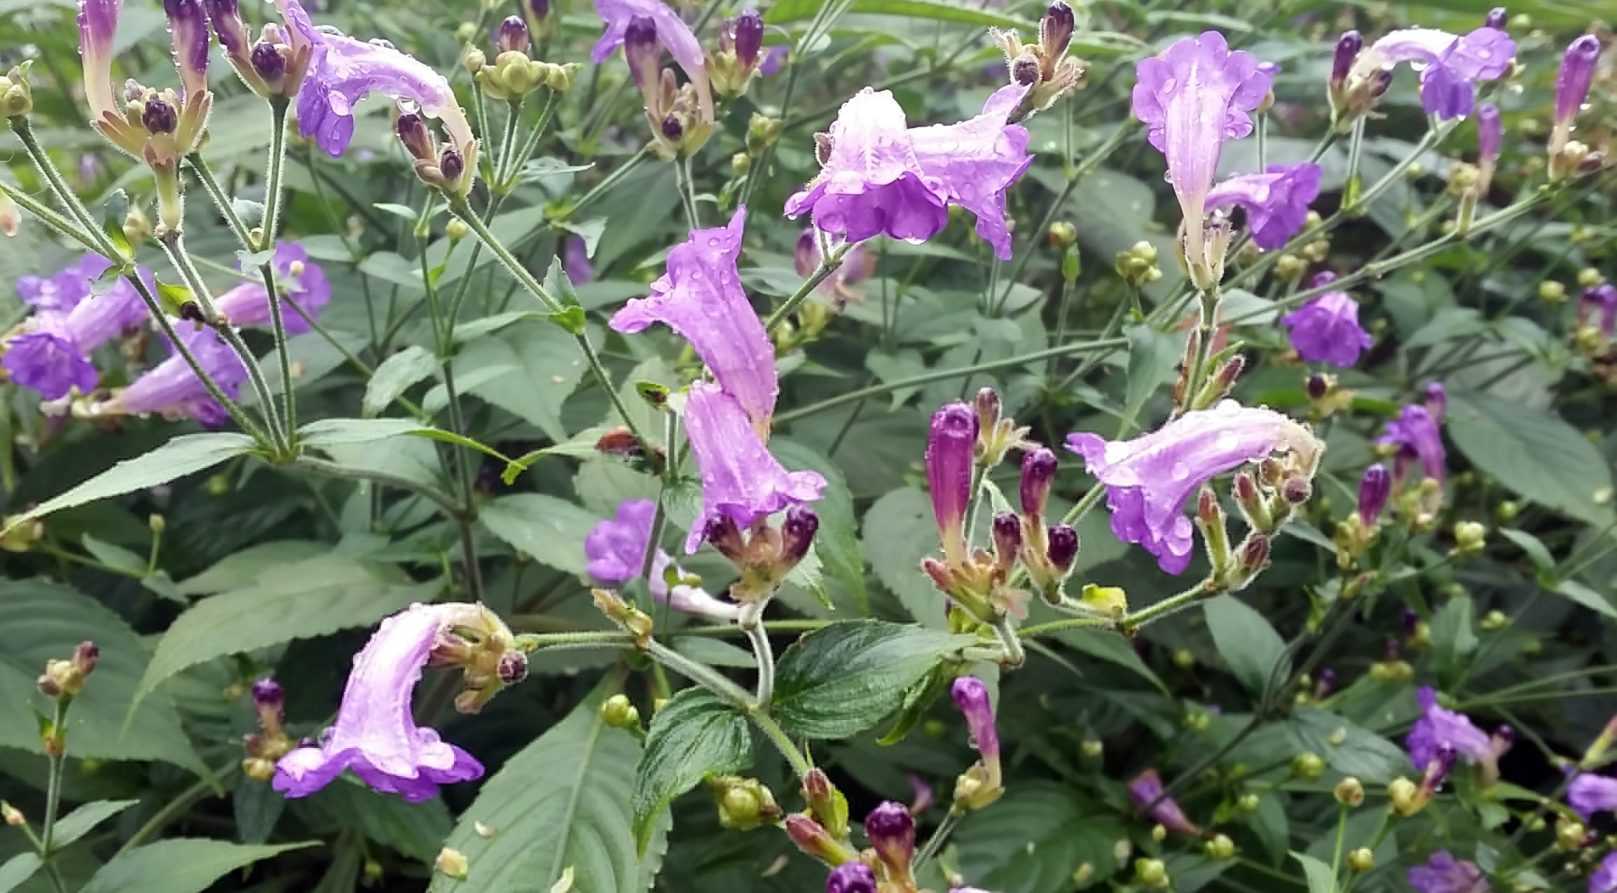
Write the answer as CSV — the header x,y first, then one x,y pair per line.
x,y
1576,74
1490,133
375,733
1146,793
851,877
62,291
950,454
173,390
1276,202
774,60
1374,488
1604,878
113,313
1192,97
971,696
672,32
188,28
1443,873
1327,330
858,264
1600,299
891,830
741,481
1590,793
299,281
700,297
1440,728
976,161
98,27
1416,436
575,260
615,548
45,358
1450,66
342,71
1149,478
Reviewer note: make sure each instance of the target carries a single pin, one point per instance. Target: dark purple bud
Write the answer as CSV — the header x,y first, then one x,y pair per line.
x,y
268,61
1374,488
722,534
451,164
1490,133
1208,511
1025,70
891,830
1055,30
1255,554
1063,550
1296,490
989,407
1437,771
415,135
1007,537
511,36
268,693
1347,50
849,877
1321,279
1576,74
1408,621
747,35
1504,737
538,10
1379,82
1437,399
971,696
85,656
797,533
513,667
672,129
1324,682
1038,473
1496,18
643,52
1318,386
159,116
950,451
228,27
822,148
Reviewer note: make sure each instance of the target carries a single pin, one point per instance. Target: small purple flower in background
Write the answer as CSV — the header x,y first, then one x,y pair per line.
x,y
50,352
1590,793
851,877
1439,728
701,297
44,358
672,32
1490,135
1601,299
575,260
1415,435
1450,65
1276,202
977,161
172,390
1443,873
741,481
375,733
62,291
774,60
858,265
950,453
1146,793
615,548
1374,488
1604,878
1149,478
300,282
1326,329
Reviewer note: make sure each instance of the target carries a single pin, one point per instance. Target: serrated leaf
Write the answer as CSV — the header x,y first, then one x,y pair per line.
x,y
540,368
899,531
179,865
1249,645
82,820
838,681
415,829
837,543
1035,838
244,567
395,375
560,803
299,601
694,735
550,530
1533,453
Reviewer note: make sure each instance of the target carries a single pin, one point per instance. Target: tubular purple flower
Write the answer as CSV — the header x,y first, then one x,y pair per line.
x,y
1347,50
1149,478
173,390
575,259
616,546
1439,728
643,53
1038,473
1604,878
1416,435
225,16
375,734
851,877
300,282
1490,135
891,830
1276,202
672,32
1436,399
746,34
62,291
1327,330
45,359
971,696
1576,74
950,454
1192,97
1443,873
1146,790
98,27
1590,794
976,161
741,481
1374,488
188,28
774,61
700,296
1450,66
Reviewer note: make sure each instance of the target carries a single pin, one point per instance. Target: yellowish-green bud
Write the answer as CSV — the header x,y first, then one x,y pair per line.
x,y
1151,873
1349,791
452,863
1361,860
1589,277
12,815
1159,833
1184,658
1470,537
1307,765
740,164
1404,796
1062,234
618,713
16,96
1093,748
1221,847
456,229
1494,620
1248,803
1569,835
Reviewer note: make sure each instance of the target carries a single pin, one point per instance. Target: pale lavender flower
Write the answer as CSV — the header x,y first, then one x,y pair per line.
x,y
1439,728
115,312
741,481
1276,202
44,358
575,260
1326,329
1149,478
375,733
971,697
1443,873
1576,74
50,353
701,297
672,32
851,877
976,161
1450,65
774,60
1146,793
172,389
1192,97
950,455
1590,793
300,282
62,291
615,548
1416,436
1604,878
1490,135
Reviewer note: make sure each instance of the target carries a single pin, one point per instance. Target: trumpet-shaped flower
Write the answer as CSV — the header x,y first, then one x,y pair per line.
x,y
1443,873
1450,65
1276,202
1439,728
1590,793
173,390
672,32
1416,436
299,281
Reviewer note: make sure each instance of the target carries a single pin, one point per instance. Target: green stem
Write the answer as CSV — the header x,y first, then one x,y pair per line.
x,y
175,807
607,182
783,743
53,795
828,265
1173,604
940,835
1058,626
211,186
272,219
751,624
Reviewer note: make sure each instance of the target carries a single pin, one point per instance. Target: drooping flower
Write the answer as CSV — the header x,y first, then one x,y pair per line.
x,y
1450,66
1276,202
858,265
672,32
1590,793
950,457
44,358
1326,329
701,297
62,291
741,481
173,390
300,282
971,697
375,734
575,259
1192,97
1604,878
1146,793
1149,478
976,161
1439,728
1415,436
1443,873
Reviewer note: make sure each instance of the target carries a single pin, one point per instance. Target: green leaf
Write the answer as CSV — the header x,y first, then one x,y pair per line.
x,y
1537,552
1587,597
788,11
415,829
179,865
186,454
244,568
1035,838
562,803
17,870
81,821
1453,636
838,681
837,542
541,367
1348,748
1249,645
899,531
1533,453
1153,356
396,374
286,602
1321,879
551,530
326,433
694,735
45,621
1112,648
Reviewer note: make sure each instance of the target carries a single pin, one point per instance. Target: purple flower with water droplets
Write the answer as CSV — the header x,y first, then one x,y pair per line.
x,y
1327,330
1604,878
615,548
1443,873
950,457
375,734
1577,72
1439,728
172,389
188,28
299,281
672,32
1146,793
1276,202
1149,478
1416,436
741,481
1590,793
98,28
575,260
44,358
1450,65
701,297
977,161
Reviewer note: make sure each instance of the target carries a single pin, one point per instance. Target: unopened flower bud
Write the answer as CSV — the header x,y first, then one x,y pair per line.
x,y
1220,847
744,803
797,533
1404,796
1038,473
1494,620
1025,69
1374,489
891,830
511,35
1151,873
1092,748
451,164
456,229
1470,536
1589,277
1007,538
1063,234
1569,834
452,863
1296,490
12,815
1063,547
1361,860
159,117
512,667
85,657
10,216
988,407
415,136
747,35
1307,765
1318,386
268,694
1349,791
618,713
826,804
851,877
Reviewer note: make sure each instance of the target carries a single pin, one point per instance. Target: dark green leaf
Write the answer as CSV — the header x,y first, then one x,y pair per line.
x,y
1251,648
17,870
1035,838
550,530
693,736
1320,877
1534,454
82,820
394,376
840,680
179,865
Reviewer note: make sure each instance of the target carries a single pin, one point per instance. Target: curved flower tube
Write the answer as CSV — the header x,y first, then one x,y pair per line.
x,y
1443,873
171,389
1440,729
1415,435
672,32
375,733
1149,478
1145,791
977,160
62,291
45,359
1590,793
1450,66
1276,202
301,282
